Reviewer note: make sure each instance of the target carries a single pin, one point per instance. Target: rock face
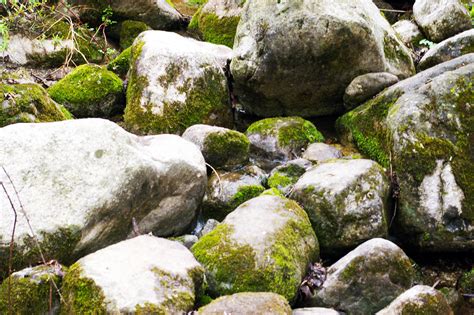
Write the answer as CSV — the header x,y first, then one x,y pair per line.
x,y
217,20
448,49
228,190
441,19
277,140
248,303
221,147
142,275
367,279
158,14
90,91
176,82
346,200
297,57
28,103
408,31
419,299
365,86
30,290
264,245
321,152
422,127
83,182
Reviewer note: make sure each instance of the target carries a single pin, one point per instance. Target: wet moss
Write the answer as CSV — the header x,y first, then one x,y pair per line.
x,y
89,90
28,103
121,63
129,31
229,148
80,294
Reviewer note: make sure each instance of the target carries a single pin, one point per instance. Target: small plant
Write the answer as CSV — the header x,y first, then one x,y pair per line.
x,y
427,43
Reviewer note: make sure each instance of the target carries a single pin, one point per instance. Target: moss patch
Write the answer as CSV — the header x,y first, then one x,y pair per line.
x,y
28,103
245,193
214,29
121,63
226,148
129,31
89,90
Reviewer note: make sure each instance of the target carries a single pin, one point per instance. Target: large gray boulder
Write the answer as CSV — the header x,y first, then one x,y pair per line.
x,y
264,245
367,279
85,184
142,275
176,82
420,299
448,49
248,303
296,57
441,19
421,128
346,200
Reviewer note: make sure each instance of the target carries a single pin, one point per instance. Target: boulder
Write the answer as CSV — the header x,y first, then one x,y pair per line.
x,y
228,190
28,290
448,49
222,148
420,299
365,86
441,19
276,140
283,177
85,184
90,91
248,303
129,30
408,32
367,279
296,57
264,245
176,82
216,21
28,103
321,152
347,202
158,14
420,128
142,275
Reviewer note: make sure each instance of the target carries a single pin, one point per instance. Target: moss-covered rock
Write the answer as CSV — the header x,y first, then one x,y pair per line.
x,y
164,278
421,128
31,290
176,82
277,140
90,91
248,303
321,152
216,21
367,279
420,299
347,202
222,148
121,63
283,177
264,245
129,30
228,190
28,103
466,283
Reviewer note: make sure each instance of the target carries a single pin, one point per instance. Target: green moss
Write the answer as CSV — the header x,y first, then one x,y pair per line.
x,y
426,304
214,29
28,103
245,193
121,63
80,294
28,295
285,176
206,98
226,148
272,192
89,90
395,54
129,31
466,283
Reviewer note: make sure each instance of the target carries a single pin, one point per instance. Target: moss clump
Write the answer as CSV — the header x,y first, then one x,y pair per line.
x,y
272,192
214,29
234,267
466,283
285,176
89,91
292,133
229,148
80,294
245,193
121,63
28,103
129,31
206,101
29,294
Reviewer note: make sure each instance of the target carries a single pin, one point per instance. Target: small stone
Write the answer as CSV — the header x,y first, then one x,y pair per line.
x,y
208,227
321,152
283,177
409,32
315,311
